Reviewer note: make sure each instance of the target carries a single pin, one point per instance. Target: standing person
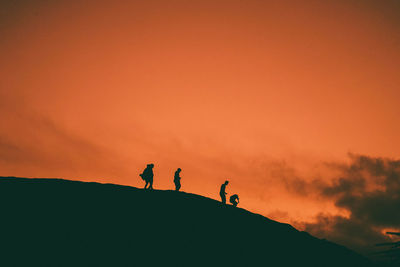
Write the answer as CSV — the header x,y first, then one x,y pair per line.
x,y
177,179
234,199
148,175
222,192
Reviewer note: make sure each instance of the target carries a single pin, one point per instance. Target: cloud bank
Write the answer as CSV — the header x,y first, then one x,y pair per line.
x,y
368,188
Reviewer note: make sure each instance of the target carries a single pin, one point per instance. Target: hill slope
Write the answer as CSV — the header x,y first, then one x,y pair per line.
x,y
52,222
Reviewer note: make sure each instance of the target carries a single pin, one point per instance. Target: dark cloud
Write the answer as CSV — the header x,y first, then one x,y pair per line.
x,y
350,232
369,189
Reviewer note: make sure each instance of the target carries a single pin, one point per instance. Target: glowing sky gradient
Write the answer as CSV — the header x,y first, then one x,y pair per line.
x,y
253,91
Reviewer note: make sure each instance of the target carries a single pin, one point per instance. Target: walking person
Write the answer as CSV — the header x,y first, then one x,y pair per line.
x,y
177,179
147,176
222,192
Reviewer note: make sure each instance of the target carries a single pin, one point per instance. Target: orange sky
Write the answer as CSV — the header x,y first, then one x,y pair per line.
x,y
252,91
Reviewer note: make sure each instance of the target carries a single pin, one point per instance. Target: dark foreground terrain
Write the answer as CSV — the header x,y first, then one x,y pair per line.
x,y
52,222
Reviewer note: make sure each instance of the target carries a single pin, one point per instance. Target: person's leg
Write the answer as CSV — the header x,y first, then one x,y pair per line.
x,y
178,186
223,198
145,186
151,184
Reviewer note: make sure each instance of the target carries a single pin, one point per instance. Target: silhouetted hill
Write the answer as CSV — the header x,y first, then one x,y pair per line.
x,y
52,222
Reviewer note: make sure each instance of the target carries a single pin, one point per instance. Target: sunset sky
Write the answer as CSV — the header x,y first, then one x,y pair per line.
x,y
295,102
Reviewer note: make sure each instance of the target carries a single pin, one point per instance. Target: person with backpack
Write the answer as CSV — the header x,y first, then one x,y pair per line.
x,y
148,175
177,179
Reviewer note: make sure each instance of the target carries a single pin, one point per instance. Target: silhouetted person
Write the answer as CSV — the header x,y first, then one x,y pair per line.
x,y
234,199
147,176
177,179
222,192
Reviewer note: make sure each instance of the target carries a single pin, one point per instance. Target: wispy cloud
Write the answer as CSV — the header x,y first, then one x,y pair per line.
x,y
33,143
